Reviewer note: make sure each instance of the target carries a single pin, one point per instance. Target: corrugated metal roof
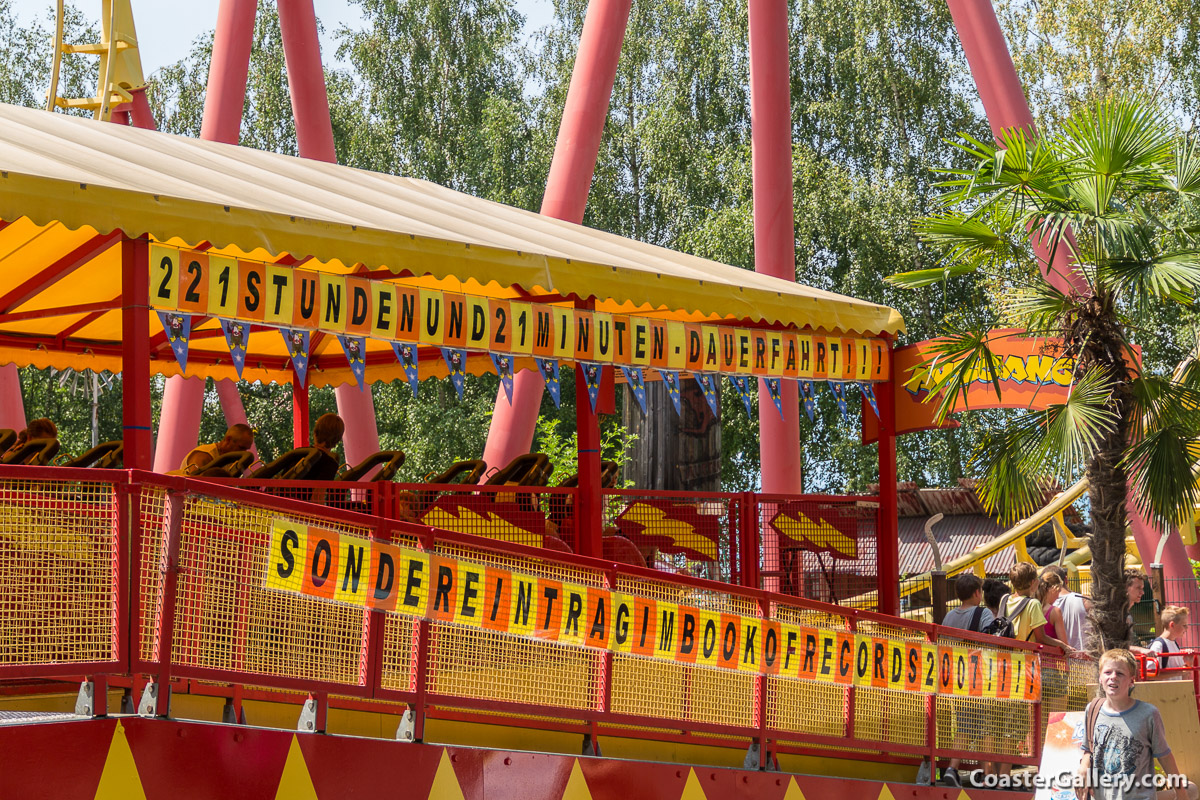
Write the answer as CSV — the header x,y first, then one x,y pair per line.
x,y
956,536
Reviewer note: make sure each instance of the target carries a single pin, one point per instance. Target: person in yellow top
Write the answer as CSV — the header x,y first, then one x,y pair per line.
x,y
238,437
1029,625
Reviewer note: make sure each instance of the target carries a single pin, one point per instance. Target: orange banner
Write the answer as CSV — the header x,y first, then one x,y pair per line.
x,y
1031,375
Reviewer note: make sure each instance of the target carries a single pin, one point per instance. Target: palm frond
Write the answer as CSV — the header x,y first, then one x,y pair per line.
x,y
1122,140
1011,483
1160,469
1016,463
958,359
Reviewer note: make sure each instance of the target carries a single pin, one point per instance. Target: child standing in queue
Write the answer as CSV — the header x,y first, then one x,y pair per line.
x,y
1122,737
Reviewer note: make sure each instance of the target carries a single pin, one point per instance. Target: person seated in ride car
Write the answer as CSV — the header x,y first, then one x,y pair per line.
x,y
238,437
40,428
328,432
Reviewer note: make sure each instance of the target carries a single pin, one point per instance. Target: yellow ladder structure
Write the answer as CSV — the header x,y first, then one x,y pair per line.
x,y
120,71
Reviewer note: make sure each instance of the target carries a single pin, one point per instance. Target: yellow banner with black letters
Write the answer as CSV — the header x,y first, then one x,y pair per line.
x,y
208,284
314,562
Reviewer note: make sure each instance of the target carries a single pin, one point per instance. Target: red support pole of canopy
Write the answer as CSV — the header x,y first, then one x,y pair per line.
x,y
589,506
567,186
887,559
135,356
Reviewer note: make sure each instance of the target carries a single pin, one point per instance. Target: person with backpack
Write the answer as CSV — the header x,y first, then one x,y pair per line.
x,y
1021,615
1174,623
969,724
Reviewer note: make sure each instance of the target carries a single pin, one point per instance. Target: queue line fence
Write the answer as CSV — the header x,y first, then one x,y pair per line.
x,y
137,576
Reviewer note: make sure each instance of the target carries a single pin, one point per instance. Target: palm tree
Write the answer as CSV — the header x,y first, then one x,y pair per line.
x,y
1116,188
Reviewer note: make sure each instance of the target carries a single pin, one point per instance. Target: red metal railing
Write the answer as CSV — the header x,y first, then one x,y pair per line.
x,y
187,609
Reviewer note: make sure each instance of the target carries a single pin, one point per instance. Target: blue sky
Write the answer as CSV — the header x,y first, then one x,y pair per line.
x,y
166,28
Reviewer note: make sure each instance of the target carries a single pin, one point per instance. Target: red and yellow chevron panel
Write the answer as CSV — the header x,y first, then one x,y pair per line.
x,y
134,758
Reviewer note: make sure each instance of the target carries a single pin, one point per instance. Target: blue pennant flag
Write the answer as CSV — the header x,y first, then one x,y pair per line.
x,y
296,341
355,348
869,393
709,387
456,368
773,390
671,379
237,337
406,354
633,376
549,370
504,368
178,328
742,384
808,395
592,375
839,391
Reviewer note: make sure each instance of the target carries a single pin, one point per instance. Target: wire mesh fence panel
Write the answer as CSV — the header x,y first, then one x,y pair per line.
x,y
228,622
358,496
820,548
692,534
59,584
486,665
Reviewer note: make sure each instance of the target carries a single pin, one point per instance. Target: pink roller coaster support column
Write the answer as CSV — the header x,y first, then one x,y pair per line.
x,y
314,132
1004,101
183,399
774,233
226,95
1005,104
566,195
12,405
179,422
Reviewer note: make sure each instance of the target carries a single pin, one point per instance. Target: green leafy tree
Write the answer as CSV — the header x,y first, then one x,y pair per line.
x,y
1116,187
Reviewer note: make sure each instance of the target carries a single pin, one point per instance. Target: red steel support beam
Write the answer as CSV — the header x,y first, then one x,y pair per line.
x,y
567,186
887,532
135,354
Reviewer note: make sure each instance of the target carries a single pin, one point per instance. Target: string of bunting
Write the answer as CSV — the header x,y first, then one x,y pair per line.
x,y
178,328
242,293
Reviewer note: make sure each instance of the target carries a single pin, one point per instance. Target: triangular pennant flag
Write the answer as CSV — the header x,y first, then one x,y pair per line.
x,y
237,337
709,387
504,368
633,376
869,393
178,328
774,393
742,384
671,379
549,370
456,367
808,395
839,391
355,348
296,341
592,375
406,354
